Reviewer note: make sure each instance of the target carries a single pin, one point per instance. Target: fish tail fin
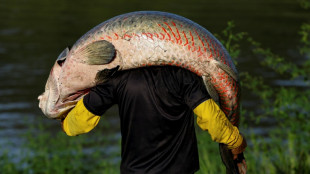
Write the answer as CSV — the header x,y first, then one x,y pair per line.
x,y
228,70
228,160
211,90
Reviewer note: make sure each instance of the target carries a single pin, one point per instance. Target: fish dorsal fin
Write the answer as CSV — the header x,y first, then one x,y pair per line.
x,y
210,88
99,52
228,70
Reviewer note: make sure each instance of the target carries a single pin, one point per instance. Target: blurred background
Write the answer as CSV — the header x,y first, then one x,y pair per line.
x,y
269,40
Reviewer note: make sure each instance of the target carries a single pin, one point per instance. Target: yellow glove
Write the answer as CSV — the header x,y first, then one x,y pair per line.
x,y
212,119
79,120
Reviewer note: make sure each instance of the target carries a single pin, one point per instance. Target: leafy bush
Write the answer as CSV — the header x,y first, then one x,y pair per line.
x,y
285,147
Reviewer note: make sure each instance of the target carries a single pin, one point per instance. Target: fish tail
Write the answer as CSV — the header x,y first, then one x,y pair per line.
x,y
228,160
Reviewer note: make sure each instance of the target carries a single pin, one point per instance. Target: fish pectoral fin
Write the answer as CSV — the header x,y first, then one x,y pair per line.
x,y
99,52
105,74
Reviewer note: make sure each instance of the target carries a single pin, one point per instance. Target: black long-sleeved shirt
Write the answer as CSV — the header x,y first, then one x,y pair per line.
x,y
156,113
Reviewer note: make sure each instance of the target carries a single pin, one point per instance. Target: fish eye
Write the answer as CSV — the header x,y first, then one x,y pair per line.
x,y
62,56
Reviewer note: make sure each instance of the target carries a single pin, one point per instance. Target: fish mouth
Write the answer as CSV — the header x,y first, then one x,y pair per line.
x,y
77,95
70,101
60,109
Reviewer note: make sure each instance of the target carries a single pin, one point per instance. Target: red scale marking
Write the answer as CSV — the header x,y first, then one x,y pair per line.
x,y
136,35
179,40
156,35
235,95
220,54
169,39
189,48
223,56
193,41
226,101
199,38
208,47
200,53
171,31
235,107
226,108
203,45
116,36
148,35
217,48
109,37
211,44
162,36
185,38
127,35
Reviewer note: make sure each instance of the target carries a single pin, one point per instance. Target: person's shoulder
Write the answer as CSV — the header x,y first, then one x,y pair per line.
x,y
157,71
184,74
172,70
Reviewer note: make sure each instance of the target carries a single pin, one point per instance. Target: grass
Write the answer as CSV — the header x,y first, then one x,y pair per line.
x,y
47,153
44,152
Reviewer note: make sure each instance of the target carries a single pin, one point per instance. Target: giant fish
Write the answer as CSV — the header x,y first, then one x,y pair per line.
x,y
139,39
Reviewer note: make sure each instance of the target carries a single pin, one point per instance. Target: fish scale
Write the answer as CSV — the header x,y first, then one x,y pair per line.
x,y
157,38
149,38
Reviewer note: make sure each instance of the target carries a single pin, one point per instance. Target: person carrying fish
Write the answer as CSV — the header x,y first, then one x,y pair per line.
x,y
160,69
156,107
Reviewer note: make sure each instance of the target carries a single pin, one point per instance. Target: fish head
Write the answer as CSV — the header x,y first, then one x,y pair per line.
x,y
61,87
73,74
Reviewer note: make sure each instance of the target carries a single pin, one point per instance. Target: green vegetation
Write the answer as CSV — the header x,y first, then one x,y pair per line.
x,y
45,153
305,4
283,148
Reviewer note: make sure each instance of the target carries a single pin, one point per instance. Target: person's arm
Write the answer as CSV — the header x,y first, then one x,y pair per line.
x,y
87,112
212,119
79,120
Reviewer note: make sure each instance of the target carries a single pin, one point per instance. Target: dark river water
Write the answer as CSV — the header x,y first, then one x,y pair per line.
x,y
34,32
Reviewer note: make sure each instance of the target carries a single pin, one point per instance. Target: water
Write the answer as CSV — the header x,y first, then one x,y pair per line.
x,y
33,33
